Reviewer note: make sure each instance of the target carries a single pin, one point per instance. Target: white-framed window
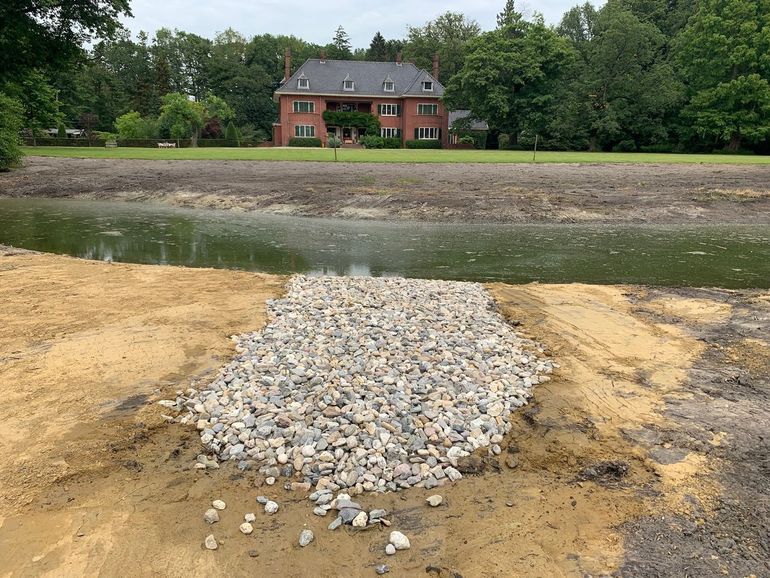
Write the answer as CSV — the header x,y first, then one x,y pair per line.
x,y
304,106
428,133
427,86
427,109
303,83
389,86
389,109
389,132
348,85
304,130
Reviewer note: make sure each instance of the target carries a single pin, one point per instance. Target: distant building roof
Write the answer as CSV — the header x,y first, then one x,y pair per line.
x,y
328,76
460,114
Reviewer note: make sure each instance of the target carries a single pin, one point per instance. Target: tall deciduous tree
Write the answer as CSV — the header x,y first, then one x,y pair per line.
x,y
724,53
181,117
510,76
39,34
449,35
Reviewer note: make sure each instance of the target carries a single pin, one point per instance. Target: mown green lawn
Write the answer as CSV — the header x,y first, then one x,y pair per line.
x,y
385,156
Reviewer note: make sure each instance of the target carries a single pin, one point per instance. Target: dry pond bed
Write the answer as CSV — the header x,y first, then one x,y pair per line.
x,y
645,455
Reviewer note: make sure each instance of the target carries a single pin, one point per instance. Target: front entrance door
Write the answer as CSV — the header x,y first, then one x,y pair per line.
x,y
349,135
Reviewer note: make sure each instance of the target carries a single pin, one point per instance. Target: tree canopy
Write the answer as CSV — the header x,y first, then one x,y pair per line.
x,y
629,75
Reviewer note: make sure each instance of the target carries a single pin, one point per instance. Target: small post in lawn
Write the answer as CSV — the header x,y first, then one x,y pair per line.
x,y
534,154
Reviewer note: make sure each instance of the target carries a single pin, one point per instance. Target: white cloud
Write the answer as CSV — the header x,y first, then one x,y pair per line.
x,y
317,21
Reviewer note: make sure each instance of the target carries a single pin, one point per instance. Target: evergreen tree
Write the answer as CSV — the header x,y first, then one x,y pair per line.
x,y
231,135
340,47
378,49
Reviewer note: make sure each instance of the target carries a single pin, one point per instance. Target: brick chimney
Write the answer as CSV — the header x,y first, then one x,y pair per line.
x,y
323,56
435,66
399,58
287,64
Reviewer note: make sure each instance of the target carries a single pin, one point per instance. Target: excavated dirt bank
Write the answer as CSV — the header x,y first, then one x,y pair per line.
x,y
502,193
646,455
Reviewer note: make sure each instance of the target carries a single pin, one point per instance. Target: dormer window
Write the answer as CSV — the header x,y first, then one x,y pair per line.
x,y
388,85
348,84
303,82
427,86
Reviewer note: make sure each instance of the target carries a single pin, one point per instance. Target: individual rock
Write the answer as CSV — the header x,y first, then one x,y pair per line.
x,y
399,541
319,511
211,516
219,504
246,528
305,537
262,500
382,569
250,517
360,520
271,507
336,523
434,500
211,542
390,549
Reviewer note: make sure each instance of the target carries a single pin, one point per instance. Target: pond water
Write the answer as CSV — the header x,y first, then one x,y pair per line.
x,y
690,255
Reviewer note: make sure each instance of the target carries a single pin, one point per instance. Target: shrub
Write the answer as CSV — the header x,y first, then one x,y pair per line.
x,y
625,146
334,142
503,140
231,135
61,131
467,139
423,144
372,141
10,125
391,142
304,142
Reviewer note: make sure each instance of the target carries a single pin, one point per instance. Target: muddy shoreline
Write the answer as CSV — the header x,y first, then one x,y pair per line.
x,y
646,455
488,193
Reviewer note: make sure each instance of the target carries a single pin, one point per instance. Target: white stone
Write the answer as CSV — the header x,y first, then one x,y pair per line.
x,y
434,500
211,542
271,507
219,504
399,541
246,528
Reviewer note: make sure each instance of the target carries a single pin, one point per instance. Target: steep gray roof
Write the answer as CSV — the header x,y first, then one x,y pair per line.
x,y
368,77
475,124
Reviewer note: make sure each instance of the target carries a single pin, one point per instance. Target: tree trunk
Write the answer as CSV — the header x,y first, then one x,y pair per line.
x,y
735,142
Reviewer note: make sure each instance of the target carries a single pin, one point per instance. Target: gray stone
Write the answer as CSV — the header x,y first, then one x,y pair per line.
x,y
271,507
305,537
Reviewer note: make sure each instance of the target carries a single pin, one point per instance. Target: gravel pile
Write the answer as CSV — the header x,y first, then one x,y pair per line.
x,y
368,384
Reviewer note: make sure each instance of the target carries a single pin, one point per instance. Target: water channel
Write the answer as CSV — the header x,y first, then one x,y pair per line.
x,y
731,256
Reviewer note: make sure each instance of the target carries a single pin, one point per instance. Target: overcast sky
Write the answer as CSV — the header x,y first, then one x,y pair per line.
x,y
316,21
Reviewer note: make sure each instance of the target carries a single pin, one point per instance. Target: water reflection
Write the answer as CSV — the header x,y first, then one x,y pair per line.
x,y
727,256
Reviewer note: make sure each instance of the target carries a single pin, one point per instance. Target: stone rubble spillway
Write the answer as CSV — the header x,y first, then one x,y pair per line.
x,y
368,384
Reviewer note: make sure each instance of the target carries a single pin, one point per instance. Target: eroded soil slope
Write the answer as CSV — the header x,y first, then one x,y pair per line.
x,y
505,193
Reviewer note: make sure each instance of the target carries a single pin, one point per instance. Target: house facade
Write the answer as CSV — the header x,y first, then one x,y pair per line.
x,y
405,99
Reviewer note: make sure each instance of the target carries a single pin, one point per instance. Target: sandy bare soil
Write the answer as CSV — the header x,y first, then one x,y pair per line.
x,y
646,455
542,193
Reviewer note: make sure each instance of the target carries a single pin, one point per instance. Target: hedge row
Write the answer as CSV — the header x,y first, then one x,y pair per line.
x,y
62,142
423,144
139,142
304,142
